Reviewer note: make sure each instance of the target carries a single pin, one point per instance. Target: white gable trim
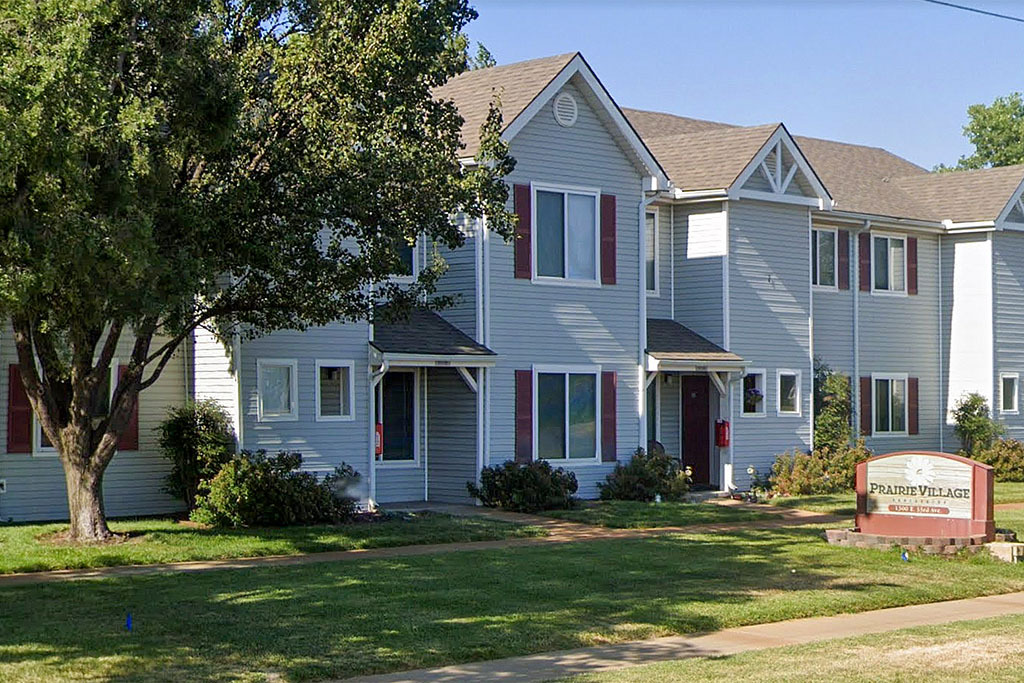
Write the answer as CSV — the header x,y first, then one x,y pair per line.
x,y
780,178
578,65
1016,201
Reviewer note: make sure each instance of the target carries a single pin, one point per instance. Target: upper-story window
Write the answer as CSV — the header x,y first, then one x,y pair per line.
x,y
651,243
408,261
823,258
889,256
566,234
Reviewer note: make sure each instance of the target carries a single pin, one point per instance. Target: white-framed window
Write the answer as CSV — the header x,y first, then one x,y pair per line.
x,y
277,389
889,403
754,395
1009,397
651,273
824,257
566,237
335,390
888,264
566,410
787,392
398,400
100,408
654,409
409,262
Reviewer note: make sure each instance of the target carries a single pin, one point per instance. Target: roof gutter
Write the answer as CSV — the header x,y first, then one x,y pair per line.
x,y
859,220
699,195
969,226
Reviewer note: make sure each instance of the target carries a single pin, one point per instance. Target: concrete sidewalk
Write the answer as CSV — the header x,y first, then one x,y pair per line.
x,y
549,665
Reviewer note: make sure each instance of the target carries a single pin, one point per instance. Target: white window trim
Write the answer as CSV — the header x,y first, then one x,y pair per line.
x,y
565,281
656,292
416,266
41,451
835,259
1016,393
656,383
799,393
897,377
889,292
567,370
763,412
351,365
291,416
417,418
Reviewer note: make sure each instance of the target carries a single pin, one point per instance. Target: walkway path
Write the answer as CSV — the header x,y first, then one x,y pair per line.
x,y
558,531
550,665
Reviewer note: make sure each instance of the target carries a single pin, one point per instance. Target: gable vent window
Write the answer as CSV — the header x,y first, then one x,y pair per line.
x,y
565,109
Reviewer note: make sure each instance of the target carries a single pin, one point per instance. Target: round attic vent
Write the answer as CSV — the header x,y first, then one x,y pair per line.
x,y
565,109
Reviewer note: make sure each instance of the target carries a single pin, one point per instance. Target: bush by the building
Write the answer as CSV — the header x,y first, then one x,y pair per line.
x,y
525,487
646,476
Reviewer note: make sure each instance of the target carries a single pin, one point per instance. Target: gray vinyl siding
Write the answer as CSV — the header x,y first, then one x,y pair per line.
x,y
698,281
324,445
660,305
1008,309
669,414
770,307
900,334
133,482
533,323
459,282
452,436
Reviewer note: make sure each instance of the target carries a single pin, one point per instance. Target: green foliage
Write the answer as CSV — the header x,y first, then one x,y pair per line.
x,y
833,419
974,425
646,476
822,370
483,59
1006,457
825,470
525,488
256,490
198,440
997,132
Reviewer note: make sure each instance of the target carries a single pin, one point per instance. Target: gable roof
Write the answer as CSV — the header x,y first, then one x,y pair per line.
x,y
424,332
711,159
668,340
962,196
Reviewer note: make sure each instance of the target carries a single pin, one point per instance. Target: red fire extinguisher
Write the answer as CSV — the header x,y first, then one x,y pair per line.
x,y
378,439
722,433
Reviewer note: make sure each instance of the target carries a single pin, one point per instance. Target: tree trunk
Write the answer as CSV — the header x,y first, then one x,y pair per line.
x,y
88,521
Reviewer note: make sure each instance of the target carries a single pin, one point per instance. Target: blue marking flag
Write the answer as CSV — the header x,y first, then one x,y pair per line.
x,y
905,556
128,622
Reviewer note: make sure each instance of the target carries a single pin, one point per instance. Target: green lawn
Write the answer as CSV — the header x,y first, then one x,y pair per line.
x,y
343,619
25,547
984,650
846,503
627,514
1009,492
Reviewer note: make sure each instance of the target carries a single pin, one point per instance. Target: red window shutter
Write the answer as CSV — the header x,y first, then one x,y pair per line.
x,y
912,405
19,414
864,260
843,262
521,202
524,416
129,440
608,239
911,265
865,406
608,441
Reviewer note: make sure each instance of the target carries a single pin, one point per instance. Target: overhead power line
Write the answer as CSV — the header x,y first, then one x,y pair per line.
x,y
976,10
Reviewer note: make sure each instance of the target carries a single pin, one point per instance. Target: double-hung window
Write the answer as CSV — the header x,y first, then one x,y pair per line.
x,y
99,407
788,392
823,257
335,388
566,234
1009,383
277,388
567,406
889,259
651,246
890,404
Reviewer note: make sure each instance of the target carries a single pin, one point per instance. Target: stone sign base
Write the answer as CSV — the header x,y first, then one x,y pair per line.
x,y
945,545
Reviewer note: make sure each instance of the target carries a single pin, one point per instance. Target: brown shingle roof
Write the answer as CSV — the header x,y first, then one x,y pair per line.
x,y
656,124
710,159
668,340
424,332
516,85
962,196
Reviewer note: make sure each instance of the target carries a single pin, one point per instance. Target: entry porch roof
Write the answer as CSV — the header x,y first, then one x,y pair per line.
x,y
675,347
425,339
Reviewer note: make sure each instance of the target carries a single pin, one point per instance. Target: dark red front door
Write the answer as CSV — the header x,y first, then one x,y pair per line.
x,y
697,427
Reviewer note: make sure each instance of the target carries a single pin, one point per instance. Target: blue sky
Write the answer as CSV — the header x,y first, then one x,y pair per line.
x,y
898,74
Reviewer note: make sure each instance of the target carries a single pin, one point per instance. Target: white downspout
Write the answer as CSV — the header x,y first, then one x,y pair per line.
x,y
942,385
810,316
672,259
426,433
856,329
480,337
642,286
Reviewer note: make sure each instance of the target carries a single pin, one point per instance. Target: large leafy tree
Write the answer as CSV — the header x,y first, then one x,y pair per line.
x,y
997,132
165,164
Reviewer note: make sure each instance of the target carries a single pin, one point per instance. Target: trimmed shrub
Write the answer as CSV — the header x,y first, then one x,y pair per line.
x,y
1006,456
974,424
525,488
825,470
646,476
198,440
254,489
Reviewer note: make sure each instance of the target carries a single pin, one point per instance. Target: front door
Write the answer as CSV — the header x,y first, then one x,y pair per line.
x,y
398,414
696,421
